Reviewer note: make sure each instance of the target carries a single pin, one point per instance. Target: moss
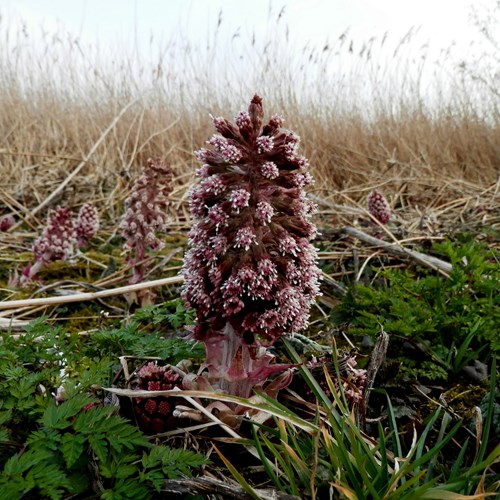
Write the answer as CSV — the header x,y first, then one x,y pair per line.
x,y
178,239
463,398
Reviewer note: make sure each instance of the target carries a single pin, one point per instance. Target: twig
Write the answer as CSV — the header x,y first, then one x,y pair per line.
x,y
334,206
211,486
339,288
12,324
81,297
376,361
428,260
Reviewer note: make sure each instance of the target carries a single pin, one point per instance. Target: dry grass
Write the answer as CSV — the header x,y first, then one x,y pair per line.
x,y
366,126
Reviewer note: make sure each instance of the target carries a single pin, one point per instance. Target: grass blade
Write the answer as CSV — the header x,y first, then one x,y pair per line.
x,y
239,478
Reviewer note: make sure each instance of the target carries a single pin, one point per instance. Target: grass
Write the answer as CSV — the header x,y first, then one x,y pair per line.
x,y
74,129
368,125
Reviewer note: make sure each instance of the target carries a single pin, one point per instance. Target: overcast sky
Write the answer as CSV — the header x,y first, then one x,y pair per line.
x,y
221,34
127,22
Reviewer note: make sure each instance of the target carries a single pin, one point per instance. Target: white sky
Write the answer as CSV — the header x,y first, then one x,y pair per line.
x,y
144,27
124,22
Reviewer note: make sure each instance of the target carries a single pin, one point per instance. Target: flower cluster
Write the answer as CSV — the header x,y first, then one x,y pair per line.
x,y
6,222
251,262
57,241
155,415
251,270
60,237
353,379
146,215
379,207
87,223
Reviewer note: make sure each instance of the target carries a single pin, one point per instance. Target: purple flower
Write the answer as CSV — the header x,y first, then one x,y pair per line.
x,y
264,144
379,207
239,198
269,170
155,415
87,223
6,222
251,270
58,238
146,215
57,242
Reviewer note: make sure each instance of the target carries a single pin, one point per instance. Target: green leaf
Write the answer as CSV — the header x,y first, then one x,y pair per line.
x,y
50,416
5,416
43,439
4,436
155,477
241,480
99,447
19,464
153,457
178,462
72,447
130,488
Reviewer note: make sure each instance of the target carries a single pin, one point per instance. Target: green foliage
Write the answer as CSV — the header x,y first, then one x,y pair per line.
x,y
137,339
171,313
495,410
309,460
50,450
451,320
72,435
80,448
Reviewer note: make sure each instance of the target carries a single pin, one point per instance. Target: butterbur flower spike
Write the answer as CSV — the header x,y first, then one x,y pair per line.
x,y
57,241
379,207
146,215
157,414
87,223
6,222
251,270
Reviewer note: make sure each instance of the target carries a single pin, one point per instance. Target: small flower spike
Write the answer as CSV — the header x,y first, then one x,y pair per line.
x,y
57,241
87,224
6,222
379,207
146,215
156,414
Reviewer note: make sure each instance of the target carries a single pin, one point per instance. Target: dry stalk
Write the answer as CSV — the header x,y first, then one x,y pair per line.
x,y
208,487
82,297
12,324
428,260
69,178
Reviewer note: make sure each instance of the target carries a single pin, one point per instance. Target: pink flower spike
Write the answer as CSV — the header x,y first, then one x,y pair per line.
x,y
379,207
57,242
145,217
251,271
156,414
87,223
58,239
